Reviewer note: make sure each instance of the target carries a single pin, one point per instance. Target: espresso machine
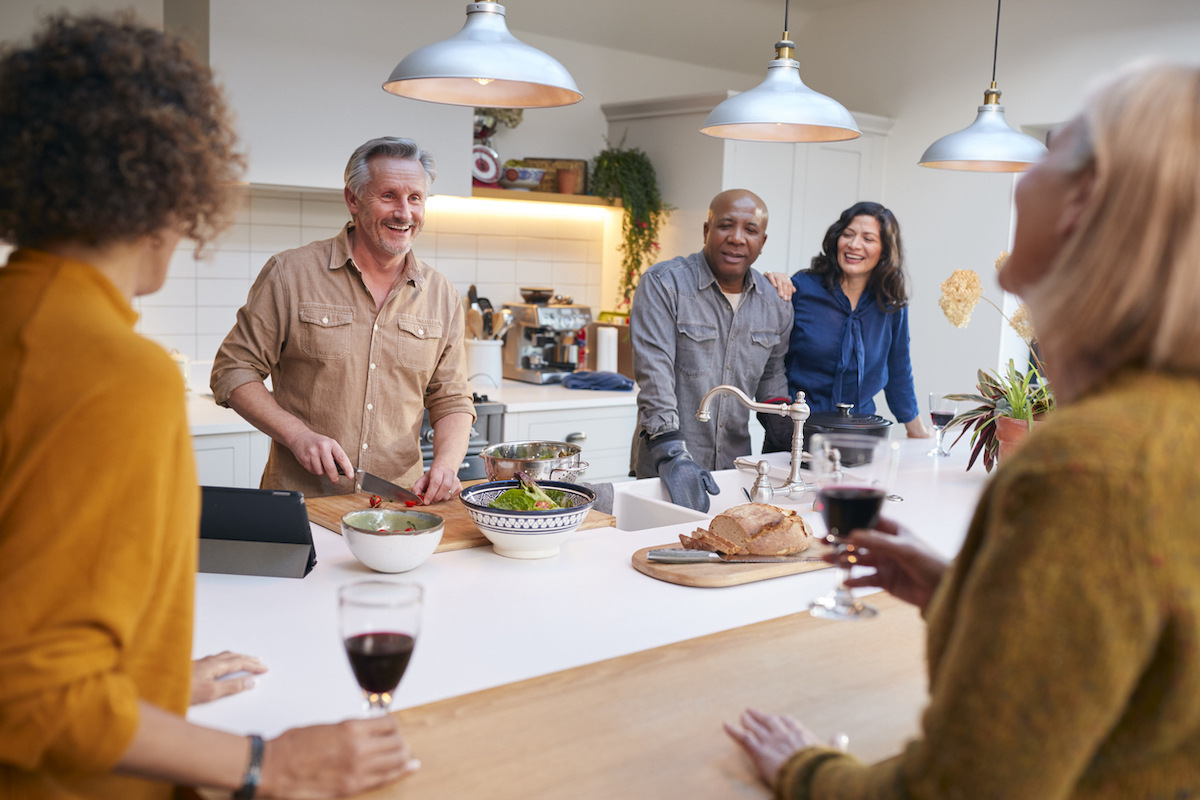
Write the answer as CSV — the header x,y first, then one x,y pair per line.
x,y
542,345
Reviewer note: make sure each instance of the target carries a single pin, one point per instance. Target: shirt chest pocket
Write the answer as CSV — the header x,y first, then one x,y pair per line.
x,y
419,342
325,330
695,348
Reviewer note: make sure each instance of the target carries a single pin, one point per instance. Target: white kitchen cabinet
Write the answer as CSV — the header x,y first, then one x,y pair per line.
x,y
805,186
604,433
231,459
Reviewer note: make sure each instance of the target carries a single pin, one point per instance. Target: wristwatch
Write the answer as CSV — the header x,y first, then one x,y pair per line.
x,y
253,770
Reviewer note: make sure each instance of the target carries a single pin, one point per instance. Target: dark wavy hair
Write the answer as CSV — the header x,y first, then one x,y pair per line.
x,y
887,282
110,130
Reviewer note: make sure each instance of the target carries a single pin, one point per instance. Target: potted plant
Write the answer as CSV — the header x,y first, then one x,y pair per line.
x,y
629,175
1009,404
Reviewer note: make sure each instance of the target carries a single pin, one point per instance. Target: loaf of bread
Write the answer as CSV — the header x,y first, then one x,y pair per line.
x,y
752,529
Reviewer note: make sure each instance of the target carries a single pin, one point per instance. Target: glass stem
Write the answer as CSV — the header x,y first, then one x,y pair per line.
x,y
938,431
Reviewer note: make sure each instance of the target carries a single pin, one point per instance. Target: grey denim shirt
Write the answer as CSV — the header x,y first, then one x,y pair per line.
x,y
687,339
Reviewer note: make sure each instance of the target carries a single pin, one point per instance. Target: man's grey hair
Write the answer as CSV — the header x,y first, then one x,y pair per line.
x,y
358,170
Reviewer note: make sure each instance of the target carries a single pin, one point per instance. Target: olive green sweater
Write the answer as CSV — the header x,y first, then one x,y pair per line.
x,y
1064,643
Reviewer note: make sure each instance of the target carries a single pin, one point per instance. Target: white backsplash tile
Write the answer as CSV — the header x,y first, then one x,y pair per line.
x,y
499,253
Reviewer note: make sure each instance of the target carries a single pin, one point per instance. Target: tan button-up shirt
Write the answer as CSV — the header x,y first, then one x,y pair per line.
x,y
360,376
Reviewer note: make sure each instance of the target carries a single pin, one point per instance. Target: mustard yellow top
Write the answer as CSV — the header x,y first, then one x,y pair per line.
x,y
1064,644
99,513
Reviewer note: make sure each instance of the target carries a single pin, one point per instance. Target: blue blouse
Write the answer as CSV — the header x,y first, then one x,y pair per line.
x,y
837,355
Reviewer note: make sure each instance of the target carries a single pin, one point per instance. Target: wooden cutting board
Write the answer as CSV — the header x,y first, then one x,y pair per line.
x,y
460,532
715,576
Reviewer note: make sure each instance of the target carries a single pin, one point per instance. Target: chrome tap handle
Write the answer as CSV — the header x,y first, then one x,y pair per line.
x,y
762,491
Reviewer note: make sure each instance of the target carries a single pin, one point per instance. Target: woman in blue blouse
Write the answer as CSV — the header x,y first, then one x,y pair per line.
x,y
850,339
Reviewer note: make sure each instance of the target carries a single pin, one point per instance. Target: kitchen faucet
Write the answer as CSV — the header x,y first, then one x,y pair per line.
x,y
797,411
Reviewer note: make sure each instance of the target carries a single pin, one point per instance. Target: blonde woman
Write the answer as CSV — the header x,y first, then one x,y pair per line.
x,y
1064,640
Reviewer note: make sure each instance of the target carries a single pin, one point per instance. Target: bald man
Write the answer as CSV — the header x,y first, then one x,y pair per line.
x,y
699,321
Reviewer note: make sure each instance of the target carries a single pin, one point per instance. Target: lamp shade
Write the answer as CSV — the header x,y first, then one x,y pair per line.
x,y
781,109
987,145
483,65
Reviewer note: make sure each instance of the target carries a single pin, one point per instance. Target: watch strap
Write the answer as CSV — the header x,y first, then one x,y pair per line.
x,y
253,770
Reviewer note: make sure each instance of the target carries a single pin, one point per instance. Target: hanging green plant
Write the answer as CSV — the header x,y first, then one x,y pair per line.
x,y
629,175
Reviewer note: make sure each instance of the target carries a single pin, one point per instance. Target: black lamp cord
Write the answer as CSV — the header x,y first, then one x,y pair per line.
x,y
996,46
786,3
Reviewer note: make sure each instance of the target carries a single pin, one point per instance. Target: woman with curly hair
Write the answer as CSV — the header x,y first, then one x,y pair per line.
x,y
850,337
114,144
1064,641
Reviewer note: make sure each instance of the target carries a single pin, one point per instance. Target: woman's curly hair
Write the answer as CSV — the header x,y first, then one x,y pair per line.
x,y
109,131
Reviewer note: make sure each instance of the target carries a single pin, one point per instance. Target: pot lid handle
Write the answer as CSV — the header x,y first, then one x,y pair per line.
x,y
844,409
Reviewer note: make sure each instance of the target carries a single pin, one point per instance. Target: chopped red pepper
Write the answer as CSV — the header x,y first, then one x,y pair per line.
x,y
409,529
410,503
376,501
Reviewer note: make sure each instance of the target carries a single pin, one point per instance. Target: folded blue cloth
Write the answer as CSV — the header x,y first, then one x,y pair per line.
x,y
600,381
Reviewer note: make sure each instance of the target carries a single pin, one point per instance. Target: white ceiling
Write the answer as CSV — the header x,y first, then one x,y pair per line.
x,y
730,34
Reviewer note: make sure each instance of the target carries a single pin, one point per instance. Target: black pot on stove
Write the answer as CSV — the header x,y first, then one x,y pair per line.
x,y
846,421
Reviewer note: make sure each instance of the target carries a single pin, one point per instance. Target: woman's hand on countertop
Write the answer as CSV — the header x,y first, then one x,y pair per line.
x,y
210,676
915,428
771,739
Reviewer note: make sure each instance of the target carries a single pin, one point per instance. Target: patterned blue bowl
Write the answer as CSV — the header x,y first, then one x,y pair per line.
x,y
526,534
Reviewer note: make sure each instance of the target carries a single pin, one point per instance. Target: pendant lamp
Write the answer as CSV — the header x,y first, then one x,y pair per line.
x,y
483,65
781,108
988,144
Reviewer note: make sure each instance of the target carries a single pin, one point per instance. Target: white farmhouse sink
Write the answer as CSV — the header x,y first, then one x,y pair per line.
x,y
643,504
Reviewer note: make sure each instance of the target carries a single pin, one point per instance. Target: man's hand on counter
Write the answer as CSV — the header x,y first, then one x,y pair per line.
x,y
440,483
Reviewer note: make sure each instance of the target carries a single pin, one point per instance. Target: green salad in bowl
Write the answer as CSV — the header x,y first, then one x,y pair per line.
x,y
530,497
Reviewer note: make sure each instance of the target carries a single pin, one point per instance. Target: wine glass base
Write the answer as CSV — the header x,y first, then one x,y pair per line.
x,y
839,608
937,451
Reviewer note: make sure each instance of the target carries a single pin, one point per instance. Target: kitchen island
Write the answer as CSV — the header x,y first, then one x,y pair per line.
x,y
499,634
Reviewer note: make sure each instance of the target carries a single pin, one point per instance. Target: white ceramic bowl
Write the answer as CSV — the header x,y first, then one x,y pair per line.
x,y
393,549
526,534
521,178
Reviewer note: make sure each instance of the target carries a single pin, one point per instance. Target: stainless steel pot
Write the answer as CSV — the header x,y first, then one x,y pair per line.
x,y
542,460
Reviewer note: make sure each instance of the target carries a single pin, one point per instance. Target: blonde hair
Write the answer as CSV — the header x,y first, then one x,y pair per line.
x,y
1125,288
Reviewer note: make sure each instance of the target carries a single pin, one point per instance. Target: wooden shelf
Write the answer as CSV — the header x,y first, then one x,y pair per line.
x,y
543,197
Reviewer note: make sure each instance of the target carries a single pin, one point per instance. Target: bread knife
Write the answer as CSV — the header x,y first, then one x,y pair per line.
x,y
676,556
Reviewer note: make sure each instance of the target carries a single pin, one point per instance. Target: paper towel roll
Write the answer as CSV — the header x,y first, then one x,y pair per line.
x,y
606,349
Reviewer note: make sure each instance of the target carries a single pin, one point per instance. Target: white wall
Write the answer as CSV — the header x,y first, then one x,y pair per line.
x,y
19,18
304,78
925,64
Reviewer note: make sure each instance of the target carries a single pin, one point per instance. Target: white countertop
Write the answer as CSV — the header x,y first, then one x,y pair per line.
x,y
490,620
206,418
518,396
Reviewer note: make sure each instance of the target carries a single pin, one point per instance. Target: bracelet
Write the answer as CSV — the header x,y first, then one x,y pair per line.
x,y
253,770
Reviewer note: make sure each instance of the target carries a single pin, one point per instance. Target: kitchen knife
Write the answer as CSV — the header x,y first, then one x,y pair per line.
x,y
673,556
385,489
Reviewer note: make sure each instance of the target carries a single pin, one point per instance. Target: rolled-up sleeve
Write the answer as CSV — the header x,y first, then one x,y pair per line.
x,y
252,349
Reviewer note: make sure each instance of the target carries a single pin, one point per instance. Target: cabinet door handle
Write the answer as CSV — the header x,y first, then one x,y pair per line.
x,y
576,438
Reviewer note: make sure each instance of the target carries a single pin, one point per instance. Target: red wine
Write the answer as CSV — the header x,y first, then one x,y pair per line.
x,y
940,420
846,508
379,659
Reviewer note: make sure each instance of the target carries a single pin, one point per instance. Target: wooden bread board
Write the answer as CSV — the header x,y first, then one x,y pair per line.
x,y
460,532
715,576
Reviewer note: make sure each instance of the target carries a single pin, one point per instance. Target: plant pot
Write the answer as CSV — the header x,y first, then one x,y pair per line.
x,y
568,180
1011,433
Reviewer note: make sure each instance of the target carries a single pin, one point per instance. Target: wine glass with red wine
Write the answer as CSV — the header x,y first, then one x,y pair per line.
x,y
941,411
853,473
379,622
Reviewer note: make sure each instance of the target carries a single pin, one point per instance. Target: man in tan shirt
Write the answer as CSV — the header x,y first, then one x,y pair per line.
x,y
359,337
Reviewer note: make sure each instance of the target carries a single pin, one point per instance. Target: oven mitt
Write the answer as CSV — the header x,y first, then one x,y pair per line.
x,y
778,437
688,483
